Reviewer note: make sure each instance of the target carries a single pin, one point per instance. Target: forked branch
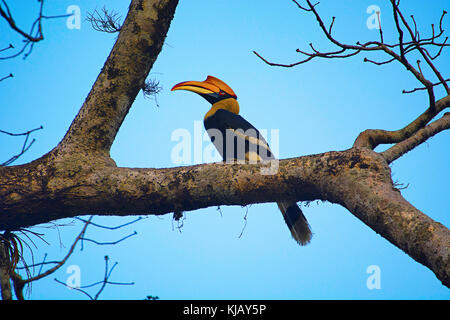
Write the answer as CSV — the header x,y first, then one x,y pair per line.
x,y
409,40
36,33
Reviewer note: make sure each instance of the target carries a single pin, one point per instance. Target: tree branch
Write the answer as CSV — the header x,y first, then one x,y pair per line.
x,y
103,282
348,50
419,137
50,193
121,78
6,77
372,138
25,145
6,14
416,42
32,37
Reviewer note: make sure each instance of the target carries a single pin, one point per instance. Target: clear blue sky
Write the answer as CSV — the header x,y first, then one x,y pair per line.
x,y
317,107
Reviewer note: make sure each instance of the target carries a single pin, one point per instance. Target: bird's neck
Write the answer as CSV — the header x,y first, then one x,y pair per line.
x,y
229,104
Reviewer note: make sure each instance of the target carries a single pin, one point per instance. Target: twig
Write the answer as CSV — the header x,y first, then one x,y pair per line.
x,y
28,36
69,253
419,137
103,283
110,228
423,88
8,47
32,37
6,77
109,243
421,51
106,22
331,25
404,47
378,63
25,146
245,222
379,26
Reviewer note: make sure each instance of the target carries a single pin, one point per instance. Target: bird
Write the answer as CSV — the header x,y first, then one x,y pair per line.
x,y
237,139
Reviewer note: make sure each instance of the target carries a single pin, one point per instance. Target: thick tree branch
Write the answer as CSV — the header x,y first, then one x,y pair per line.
x,y
395,219
123,75
48,189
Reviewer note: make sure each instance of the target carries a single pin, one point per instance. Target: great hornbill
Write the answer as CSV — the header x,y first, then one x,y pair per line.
x,y
236,139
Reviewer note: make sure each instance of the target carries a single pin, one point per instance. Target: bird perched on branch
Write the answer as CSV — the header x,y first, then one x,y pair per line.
x,y
236,139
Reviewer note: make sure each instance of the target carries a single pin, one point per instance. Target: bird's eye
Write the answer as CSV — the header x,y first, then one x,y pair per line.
x,y
222,93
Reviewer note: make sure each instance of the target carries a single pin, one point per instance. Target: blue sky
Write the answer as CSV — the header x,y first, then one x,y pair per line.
x,y
317,107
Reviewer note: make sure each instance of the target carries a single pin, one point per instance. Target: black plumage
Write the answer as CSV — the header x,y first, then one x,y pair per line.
x,y
234,137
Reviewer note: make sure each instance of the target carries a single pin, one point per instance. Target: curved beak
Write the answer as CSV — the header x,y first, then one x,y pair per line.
x,y
211,85
200,87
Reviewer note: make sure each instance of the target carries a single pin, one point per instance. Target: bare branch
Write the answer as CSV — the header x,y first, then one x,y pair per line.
x,y
419,137
378,63
372,138
420,49
331,25
6,77
280,64
7,48
301,7
404,47
379,25
19,283
60,263
108,227
25,145
103,282
423,88
101,243
416,32
28,36
33,36
440,49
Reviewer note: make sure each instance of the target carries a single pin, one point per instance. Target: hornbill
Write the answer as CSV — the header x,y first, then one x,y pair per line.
x,y
236,139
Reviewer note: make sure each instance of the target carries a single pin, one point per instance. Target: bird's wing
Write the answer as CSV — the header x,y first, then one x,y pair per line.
x,y
236,138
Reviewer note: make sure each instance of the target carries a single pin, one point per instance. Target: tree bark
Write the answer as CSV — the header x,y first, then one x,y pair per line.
x,y
5,268
358,179
78,176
